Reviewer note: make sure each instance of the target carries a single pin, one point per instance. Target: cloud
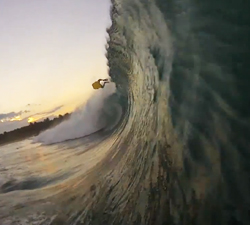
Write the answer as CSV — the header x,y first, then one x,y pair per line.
x,y
32,104
13,120
49,112
10,115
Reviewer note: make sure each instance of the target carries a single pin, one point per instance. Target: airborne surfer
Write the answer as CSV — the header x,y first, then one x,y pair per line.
x,y
97,84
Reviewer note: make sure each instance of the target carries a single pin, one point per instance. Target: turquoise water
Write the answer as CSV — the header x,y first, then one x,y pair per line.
x,y
179,155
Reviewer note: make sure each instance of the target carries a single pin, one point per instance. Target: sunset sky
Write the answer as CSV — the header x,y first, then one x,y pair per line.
x,y
51,52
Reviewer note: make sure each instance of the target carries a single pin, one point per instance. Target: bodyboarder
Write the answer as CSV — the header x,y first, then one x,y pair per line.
x,y
97,84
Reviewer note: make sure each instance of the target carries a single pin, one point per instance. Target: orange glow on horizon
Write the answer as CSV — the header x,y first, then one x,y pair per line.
x,y
16,118
67,108
31,120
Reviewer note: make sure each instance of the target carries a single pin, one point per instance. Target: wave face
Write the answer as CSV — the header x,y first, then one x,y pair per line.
x,y
180,155
184,157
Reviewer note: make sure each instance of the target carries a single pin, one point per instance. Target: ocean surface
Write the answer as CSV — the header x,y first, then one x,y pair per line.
x,y
170,144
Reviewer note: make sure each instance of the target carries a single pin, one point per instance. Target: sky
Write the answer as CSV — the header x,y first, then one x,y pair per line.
x,y
51,52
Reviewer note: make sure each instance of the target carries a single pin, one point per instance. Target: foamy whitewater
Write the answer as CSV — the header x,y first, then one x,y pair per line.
x,y
172,140
84,121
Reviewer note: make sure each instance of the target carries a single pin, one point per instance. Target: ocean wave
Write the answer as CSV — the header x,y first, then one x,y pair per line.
x,y
179,154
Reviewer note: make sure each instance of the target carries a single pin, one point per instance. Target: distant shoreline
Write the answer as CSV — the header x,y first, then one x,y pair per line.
x,y
33,129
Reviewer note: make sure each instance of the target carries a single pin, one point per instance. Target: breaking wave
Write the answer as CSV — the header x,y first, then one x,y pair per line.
x,y
180,154
102,111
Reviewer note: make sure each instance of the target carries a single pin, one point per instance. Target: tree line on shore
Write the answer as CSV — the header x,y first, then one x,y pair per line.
x,y
32,129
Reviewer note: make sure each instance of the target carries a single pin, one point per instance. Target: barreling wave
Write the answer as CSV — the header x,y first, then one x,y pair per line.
x,y
181,152
184,150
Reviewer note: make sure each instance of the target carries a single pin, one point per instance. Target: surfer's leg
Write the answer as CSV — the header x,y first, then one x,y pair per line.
x,y
104,84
